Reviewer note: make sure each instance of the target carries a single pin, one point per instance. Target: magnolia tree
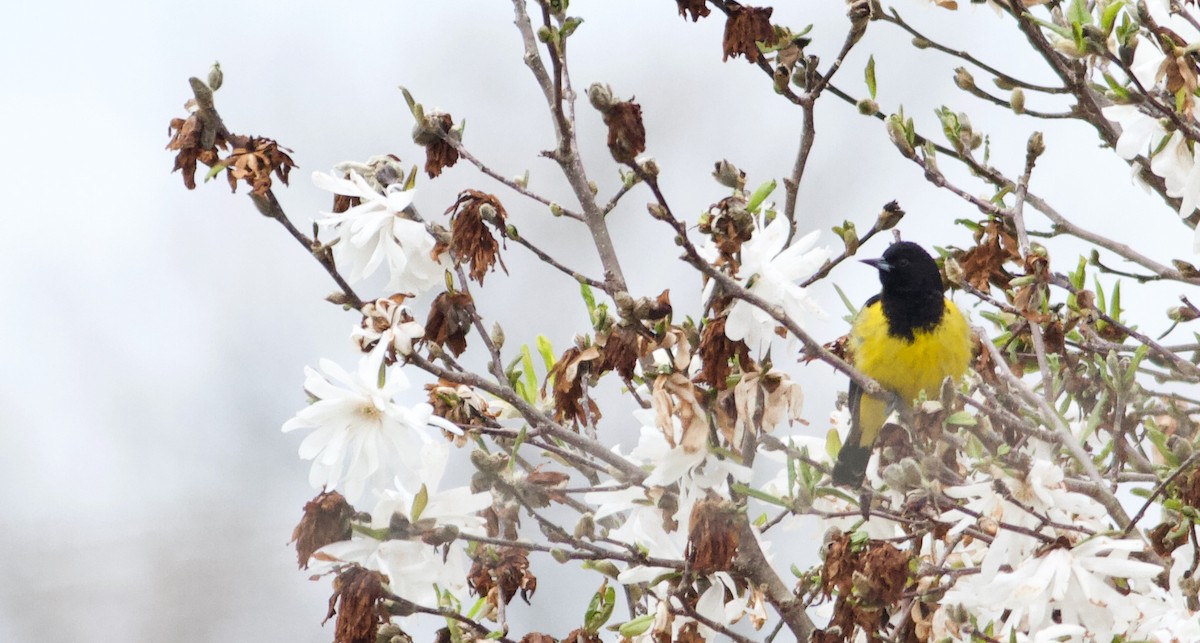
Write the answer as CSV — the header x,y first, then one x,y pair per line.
x,y
1051,495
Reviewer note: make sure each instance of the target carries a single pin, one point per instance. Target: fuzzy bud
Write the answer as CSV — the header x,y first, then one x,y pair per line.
x,y
216,77
867,107
889,216
1017,100
729,175
601,96
964,79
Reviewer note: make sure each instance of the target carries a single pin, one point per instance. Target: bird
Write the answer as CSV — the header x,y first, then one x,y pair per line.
x,y
909,338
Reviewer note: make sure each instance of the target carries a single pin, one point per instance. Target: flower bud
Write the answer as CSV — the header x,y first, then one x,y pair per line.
x,y
1017,100
729,175
216,77
964,79
867,107
601,96
890,216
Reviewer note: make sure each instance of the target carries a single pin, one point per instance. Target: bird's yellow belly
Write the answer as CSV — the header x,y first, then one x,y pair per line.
x,y
904,366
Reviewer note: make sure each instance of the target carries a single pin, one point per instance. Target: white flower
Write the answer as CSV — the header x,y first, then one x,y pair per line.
x,y
1066,586
415,569
376,230
361,435
771,271
389,322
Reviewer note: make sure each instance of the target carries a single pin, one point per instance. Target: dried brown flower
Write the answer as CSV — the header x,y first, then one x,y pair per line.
x,y
540,487
358,594
698,9
626,134
195,143
253,160
620,350
501,573
461,405
570,373
438,152
326,520
450,321
984,263
581,635
729,225
470,239
538,637
713,536
719,354
745,27
867,580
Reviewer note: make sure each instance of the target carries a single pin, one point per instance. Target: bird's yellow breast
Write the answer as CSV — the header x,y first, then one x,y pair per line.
x,y
910,366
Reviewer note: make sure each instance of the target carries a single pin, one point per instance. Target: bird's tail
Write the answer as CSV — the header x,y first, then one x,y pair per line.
x,y
851,467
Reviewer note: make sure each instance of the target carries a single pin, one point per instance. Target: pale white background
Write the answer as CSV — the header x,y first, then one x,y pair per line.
x,y
153,340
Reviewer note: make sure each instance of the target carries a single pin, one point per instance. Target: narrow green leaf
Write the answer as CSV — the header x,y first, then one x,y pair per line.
x,y
530,377
833,444
870,73
588,298
546,351
760,195
1109,17
420,501
639,625
962,418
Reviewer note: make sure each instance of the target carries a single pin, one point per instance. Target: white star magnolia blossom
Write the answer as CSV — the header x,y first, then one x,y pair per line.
x,y
771,271
1062,593
1142,133
416,570
376,230
360,434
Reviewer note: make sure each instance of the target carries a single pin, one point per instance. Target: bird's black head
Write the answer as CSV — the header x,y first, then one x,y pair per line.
x,y
912,288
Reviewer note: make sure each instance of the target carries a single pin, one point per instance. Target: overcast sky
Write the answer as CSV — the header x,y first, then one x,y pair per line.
x,y
153,340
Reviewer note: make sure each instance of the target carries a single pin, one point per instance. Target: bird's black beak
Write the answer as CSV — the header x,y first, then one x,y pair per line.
x,y
878,264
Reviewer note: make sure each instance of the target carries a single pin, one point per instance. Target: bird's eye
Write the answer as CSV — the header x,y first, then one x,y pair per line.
x,y
904,263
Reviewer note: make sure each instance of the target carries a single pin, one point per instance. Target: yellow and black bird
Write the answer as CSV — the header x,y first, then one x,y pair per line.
x,y
908,338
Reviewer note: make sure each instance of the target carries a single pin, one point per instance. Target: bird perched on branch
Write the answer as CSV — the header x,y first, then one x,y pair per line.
x,y
909,338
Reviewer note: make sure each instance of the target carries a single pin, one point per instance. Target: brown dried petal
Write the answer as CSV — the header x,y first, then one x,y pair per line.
x,y
718,354
569,375
626,134
450,321
984,264
253,160
620,350
746,27
359,595
471,240
698,9
500,573
438,153
713,536
326,520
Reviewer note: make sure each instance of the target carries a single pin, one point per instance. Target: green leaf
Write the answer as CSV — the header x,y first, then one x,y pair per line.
x,y
760,195
747,490
420,501
639,625
530,383
546,351
1078,13
1109,17
600,609
846,302
870,73
833,444
570,25
1114,309
588,298
962,418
